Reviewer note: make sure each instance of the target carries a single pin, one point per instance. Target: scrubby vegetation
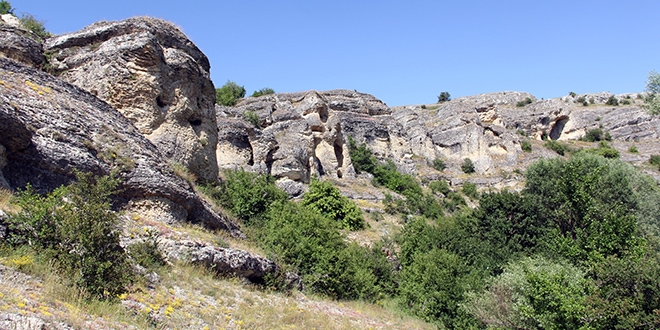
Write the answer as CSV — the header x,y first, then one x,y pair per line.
x,y
229,94
652,100
75,228
262,92
467,166
444,97
524,102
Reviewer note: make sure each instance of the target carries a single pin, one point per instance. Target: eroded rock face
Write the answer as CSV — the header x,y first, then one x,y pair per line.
x,y
155,76
298,134
51,127
16,44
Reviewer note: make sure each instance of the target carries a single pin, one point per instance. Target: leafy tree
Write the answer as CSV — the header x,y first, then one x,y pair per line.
x,y
444,97
589,202
653,89
324,198
5,8
431,286
467,166
229,94
470,190
263,91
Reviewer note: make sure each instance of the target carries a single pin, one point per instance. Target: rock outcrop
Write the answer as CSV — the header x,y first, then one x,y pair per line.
x,y
51,128
18,45
155,76
293,136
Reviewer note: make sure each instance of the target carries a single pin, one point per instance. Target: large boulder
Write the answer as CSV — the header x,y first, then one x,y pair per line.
x,y
51,128
155,76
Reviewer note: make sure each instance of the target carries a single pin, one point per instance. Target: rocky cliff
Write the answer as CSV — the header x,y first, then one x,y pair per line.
x,y
155,76
294,136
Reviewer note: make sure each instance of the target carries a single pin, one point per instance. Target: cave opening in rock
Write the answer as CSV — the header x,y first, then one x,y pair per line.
x,y
558,128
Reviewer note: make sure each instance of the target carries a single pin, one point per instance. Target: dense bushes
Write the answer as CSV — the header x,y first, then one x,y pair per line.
x,y
75,226
306,237
575,249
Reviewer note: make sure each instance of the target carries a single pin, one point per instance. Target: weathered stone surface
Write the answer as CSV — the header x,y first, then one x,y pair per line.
x,y
16,44
51,127
155,76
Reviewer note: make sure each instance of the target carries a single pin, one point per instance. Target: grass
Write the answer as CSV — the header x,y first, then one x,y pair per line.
x,y
184,297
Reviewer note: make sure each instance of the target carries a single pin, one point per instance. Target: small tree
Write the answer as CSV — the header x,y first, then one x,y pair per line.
x,y
37,27
467,166
443,97
5,8
263,91
612,101
438,164
229,94
324,198
653,88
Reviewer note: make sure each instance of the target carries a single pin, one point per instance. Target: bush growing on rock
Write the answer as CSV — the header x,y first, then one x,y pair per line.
x,y
262,92
467,166
652,100
229,94
526,146
524,102
444,97
612,100
438,164
31,23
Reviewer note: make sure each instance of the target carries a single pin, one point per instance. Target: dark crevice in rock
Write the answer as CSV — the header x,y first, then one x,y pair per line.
x,y
558,128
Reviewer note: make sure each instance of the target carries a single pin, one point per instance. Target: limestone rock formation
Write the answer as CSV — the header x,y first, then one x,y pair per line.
x,y
50,127
17,44
155,76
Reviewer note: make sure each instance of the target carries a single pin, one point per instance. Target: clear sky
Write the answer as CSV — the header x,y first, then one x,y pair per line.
x,y
403,52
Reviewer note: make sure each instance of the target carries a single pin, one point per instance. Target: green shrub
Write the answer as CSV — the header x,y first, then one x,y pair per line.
x,y
438,164
597,134
524,102
439,186
229,94
655,160
263,91
556,146
470,189
324,198
146,252
246,195
581,100
443,97
633,149
75,225
34,25
467,166
5,8
572,94
612,100
361,157
526,145
252,118
534,293
605,150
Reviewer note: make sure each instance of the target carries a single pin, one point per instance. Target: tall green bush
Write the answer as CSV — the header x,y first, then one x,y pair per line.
x,y
324,198
229,94
76,226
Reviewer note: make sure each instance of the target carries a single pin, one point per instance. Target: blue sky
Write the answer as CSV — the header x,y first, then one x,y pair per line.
x,y
403,52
